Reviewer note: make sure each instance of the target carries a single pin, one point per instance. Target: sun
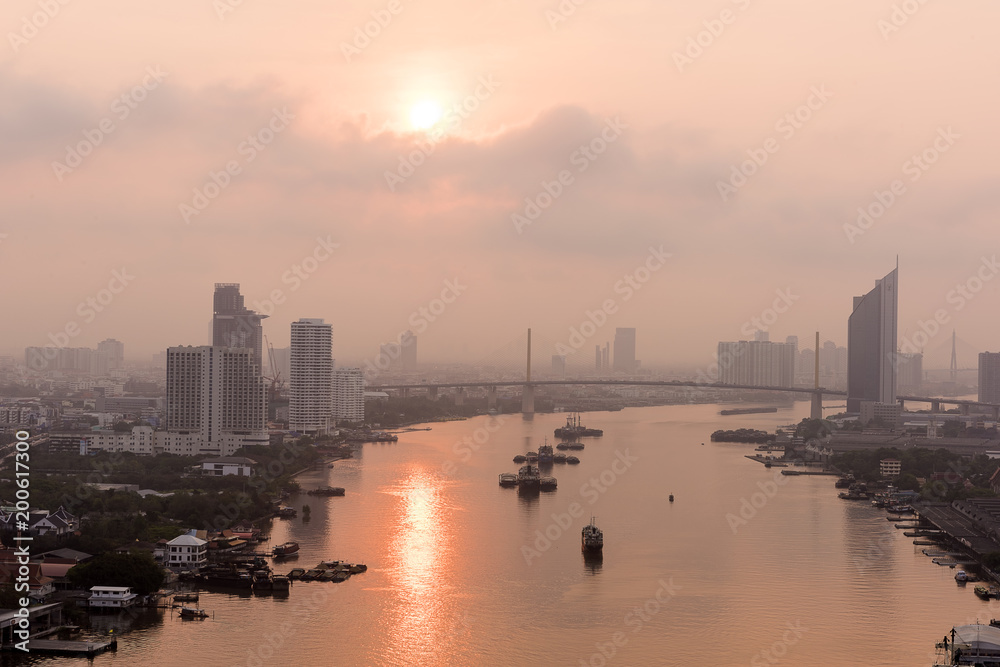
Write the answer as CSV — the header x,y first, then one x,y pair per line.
x,y
425,115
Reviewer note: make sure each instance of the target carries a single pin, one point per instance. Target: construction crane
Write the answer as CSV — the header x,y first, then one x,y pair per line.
x,y
277,382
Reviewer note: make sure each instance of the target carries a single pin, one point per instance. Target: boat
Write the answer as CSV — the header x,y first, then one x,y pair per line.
x,y
280,582
982,592
528,476
961,576
975,644
358,568
574,429
547,483
671,497
844,482
186,597
532,457
326,491
192,612
572,459
520,458
559,458
296,573
747,411
545,453
901,509
592,537
286,512
286,549
508,479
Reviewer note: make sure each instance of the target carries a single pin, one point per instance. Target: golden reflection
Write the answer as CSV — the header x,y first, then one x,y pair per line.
x,y
421,559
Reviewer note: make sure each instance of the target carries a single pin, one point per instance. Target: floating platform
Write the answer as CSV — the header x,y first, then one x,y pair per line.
x,y
58,647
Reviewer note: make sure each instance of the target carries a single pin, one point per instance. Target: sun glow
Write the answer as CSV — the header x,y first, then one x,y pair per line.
x,y
425,115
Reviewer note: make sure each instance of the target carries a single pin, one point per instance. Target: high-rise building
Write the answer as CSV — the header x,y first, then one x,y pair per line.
x,y
871,345
559,365
233,324
310,400
114,353
758,363
597,358
216,400
909,370
349,394
624,361
408,351
989,377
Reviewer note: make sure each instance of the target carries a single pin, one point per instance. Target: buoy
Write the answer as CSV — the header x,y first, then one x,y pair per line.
x,y
671,497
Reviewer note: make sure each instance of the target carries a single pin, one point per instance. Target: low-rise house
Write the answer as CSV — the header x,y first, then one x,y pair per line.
x,y
112,597
187,552
39,585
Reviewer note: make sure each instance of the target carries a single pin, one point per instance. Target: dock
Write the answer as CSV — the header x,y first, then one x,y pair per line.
x,y
78,648
810,472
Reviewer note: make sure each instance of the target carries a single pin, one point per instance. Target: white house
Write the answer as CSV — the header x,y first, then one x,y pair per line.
x,y
228,465
112,597
187,552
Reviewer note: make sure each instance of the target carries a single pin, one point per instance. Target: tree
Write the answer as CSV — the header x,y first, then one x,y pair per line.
x,y
137,570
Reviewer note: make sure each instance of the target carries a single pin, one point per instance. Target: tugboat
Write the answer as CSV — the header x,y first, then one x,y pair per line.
x,y
545,453
592,538
528,477
573,428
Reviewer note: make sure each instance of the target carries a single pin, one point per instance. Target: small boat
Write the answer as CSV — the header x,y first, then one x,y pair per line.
x,y
982,592
296,573
559,458
186,597
286,512
532,457
961,576
508,479
192,612
592,537
310,575
280,582
341,575
286,549
520,458
327,575
572,459
358,568
547,483
671,497
327,491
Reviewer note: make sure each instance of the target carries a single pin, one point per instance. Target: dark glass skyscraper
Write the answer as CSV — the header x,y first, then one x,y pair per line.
x,y
871,345
233,324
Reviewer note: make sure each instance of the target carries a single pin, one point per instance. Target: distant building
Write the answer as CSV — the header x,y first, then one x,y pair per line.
x,y
559,365
310,401
233,324
624,359
349,394
113,352
597,358
889,468
408,350
228,465
871,345
989,377
889,413
112,597
909,370
128,405
758,363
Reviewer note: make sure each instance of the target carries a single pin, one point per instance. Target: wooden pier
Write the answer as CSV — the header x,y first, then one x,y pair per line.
x,y
80,648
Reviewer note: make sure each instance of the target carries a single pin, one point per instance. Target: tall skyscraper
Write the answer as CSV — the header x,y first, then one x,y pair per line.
x,y
559,365
989,377
233,324
310,400
624,361
113,352
597,358
909,371
871,345
216,400
349,394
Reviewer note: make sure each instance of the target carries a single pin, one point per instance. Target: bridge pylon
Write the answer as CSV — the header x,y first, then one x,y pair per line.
x,y
816,410
528,399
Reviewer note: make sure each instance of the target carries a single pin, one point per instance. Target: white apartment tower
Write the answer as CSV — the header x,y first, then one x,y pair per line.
x,y
349,394
310,403
216,401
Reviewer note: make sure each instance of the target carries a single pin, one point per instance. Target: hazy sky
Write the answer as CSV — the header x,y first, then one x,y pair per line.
x,y
141,103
